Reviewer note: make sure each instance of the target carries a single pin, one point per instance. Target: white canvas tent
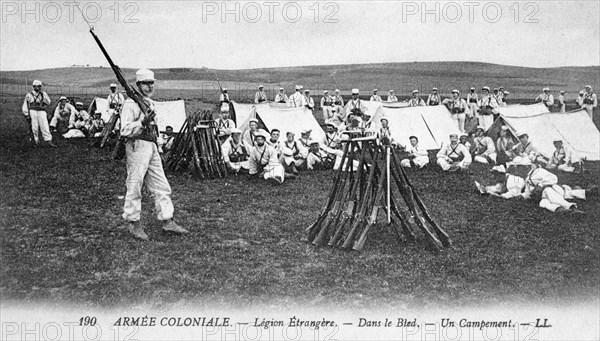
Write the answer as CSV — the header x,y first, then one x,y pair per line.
x,y
171,113
273,116
575,128
431,125
517,110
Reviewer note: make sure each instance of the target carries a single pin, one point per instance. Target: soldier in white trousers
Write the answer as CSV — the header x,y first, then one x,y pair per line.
x,y
589,101
263,161
34,109
454,156
144,162
417,156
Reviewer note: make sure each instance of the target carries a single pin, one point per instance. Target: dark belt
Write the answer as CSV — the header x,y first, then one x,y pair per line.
x,y
112,105
37,108
588,101
434,103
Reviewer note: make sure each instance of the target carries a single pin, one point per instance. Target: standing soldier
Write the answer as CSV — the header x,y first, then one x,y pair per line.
x,y
260,95
34,109
144,162
281,97
487,108
434,98
589,101
546,98
327,105
355,105
115,100
338,101
391,97
501,96
561,101
458,108
472,99
296,98
375,97
224,99
416,101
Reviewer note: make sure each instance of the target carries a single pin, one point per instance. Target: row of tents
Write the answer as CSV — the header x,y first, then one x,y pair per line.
x,y
431,124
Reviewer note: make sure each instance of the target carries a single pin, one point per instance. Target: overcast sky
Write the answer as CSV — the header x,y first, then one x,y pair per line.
x,y
161,34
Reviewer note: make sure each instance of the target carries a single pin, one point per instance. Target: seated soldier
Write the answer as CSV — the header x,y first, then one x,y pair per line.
x,y
293,154
417,157
524,151
235,153
317,158
95,125
62,114
384,135
305,138
511,187
454,156
165,143
563,159
464,140
274,141
249,135
263,160
79,119
504,147
485,150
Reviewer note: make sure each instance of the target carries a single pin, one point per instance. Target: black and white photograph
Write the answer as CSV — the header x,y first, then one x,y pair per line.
x,y
299,170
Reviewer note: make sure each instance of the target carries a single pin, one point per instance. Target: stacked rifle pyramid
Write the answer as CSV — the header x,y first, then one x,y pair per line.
x,y
360,195
196,149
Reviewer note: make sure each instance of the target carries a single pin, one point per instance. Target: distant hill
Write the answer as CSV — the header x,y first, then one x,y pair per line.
x,y
403,77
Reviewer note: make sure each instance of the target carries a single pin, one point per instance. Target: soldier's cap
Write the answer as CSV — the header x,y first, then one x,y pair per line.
x,y
434,89
472,89
508,93
384,118
413,137
479,128
562,91
486,88
144,75
262,134
62,97
253,120
581,92
37,82
330,122
495,89
224,89
415,91
455,135
557,139
260,86
305,91
325,92
456,91
305,131
500,87
521,134
374,90
298,87
78,104
224,108
588,86
392,90
313,142
281,89
337,90
463,134
236,131
504,128
355,91
546,89
113,85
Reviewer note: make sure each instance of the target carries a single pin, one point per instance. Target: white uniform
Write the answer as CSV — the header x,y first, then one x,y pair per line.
x,y
224,98
315,159
326,106
260,96
561,103
235,155
524,154
419,156
416,102
488,100
434,99
562,159
62,114
553,195
484,149
548,100
375,98
458,109
308,102
264,160
281,98
589,101
294,152
249,137
451,155
392,98
79,119
295,100
34,106
143,162
354,104
224,126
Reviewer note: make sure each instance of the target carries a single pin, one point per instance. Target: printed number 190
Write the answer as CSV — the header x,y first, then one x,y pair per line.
x,y
87,321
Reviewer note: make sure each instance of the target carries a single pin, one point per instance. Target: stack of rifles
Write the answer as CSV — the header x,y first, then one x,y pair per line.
x,y
362,191
196,149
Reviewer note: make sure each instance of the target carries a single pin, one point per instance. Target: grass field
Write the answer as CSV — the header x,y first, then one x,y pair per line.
x,y
60,210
